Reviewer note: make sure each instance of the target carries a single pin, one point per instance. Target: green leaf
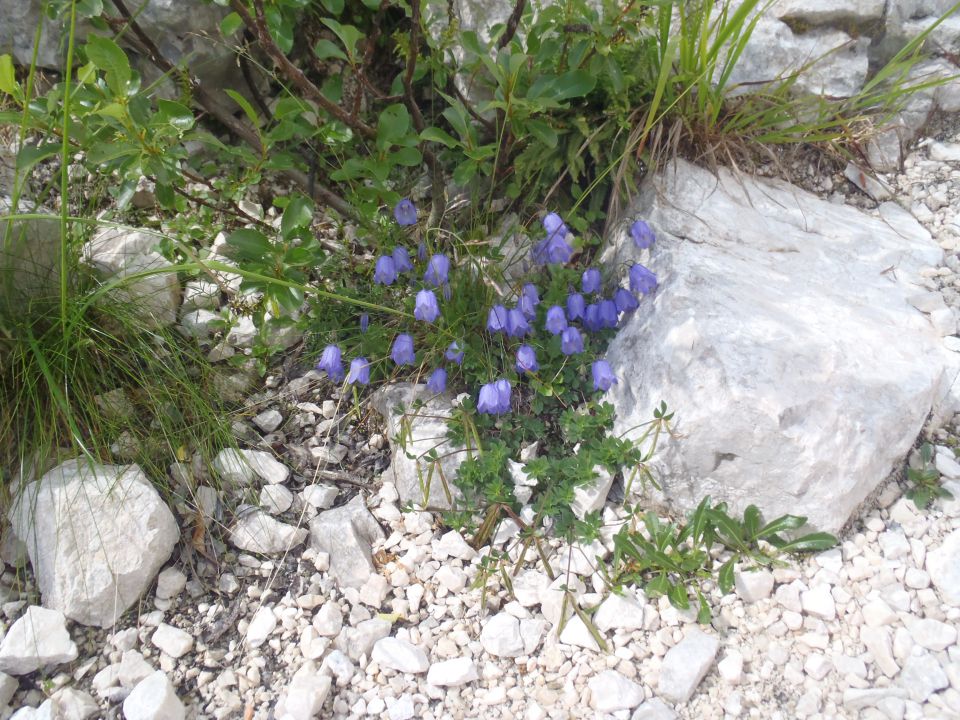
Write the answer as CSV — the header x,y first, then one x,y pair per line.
x,y
703,614
174,114
281,28
814,542
298,214
112,60
249,244
334,7
542,132
104,152
348,34
30,155
245,106
678,596
660,585
782,524
393,124
408,157
725,576
572,84
751,521
230,24
326,49
8,79
434,134
89,8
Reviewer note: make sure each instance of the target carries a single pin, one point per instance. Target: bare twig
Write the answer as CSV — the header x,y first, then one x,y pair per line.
x,y
512,23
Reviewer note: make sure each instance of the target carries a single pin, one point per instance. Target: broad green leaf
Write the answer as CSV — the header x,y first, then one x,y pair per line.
x,y
434,134
408,157
372,4
730,530
542,132
280,27
677,594
298,214
230,24
393,124
175,114
104,152
245,106
30,155
575,83
112,60
249,244
348,34
334,7
326,49
751,521
89,8
165,195
8,80
660,585
782,524
114,110
725,576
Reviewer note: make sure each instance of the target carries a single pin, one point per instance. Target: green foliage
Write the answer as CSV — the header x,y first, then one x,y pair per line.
x,y
925,480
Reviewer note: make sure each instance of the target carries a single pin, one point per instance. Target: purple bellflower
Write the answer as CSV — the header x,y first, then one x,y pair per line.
x,y
405,212
437,270
385,272
608,314
527,360
517,325
603,376
437,382
401,259
642,280
359,371
364,322
488,401
570,341
556,320
331,362
642,234
591,281
503,394
625,300
454,353
529,299
402,351
591,318
426,307
497,319
576,307
422,251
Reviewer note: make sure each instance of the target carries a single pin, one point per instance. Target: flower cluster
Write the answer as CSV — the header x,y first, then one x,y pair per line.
x,y
600,314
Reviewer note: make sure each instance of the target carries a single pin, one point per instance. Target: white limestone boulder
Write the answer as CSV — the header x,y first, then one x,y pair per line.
x,y
782,337
96,535
347,534
39,638
423,430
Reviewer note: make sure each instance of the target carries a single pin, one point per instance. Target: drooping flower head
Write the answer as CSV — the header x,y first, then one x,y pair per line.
x,y
556,251
591,318
608,314
497,319
529,299
359,371
385,272
437,382
402,351
571,342
527,360
625,300
553,249
576,306
426,307
556,320
503,394
603,376
554,225
591,281
405,212
489,401
642,234
454,353
331,363
517,325
642,280
364,321
401,259
447,293
422,251
437,270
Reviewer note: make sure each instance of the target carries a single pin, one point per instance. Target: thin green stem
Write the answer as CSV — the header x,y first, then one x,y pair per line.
x,y
64,168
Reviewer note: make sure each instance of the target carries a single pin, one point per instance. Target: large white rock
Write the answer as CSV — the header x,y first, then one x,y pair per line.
x,y
685,665
347,534
39,638
450,673
782,338
154,698
423,430
943,564
305,694
610,691
96,536
501,637
398,654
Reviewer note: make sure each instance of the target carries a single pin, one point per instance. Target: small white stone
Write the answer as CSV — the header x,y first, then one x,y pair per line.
x,y
817,666
257,532
654,709
922,676
731,667
374,591
262,624
943,563
916,579
170,582
610,691
268,420
500,636
154,698
685,665
275,499
818,602
320,496
946,463
453,579
329,454
451,673
753,586
397,654
931,634
591,497
304,695
37,639
877,642
402,708
575,632
173,641
328,620
452,544
622,612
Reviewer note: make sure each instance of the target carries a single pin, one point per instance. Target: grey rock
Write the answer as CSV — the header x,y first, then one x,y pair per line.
x,y
8,686
96,536
830,12
686,664
38,639
256,531
735,359
424,430
868,182
171,640
347,534
623,612
276,499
